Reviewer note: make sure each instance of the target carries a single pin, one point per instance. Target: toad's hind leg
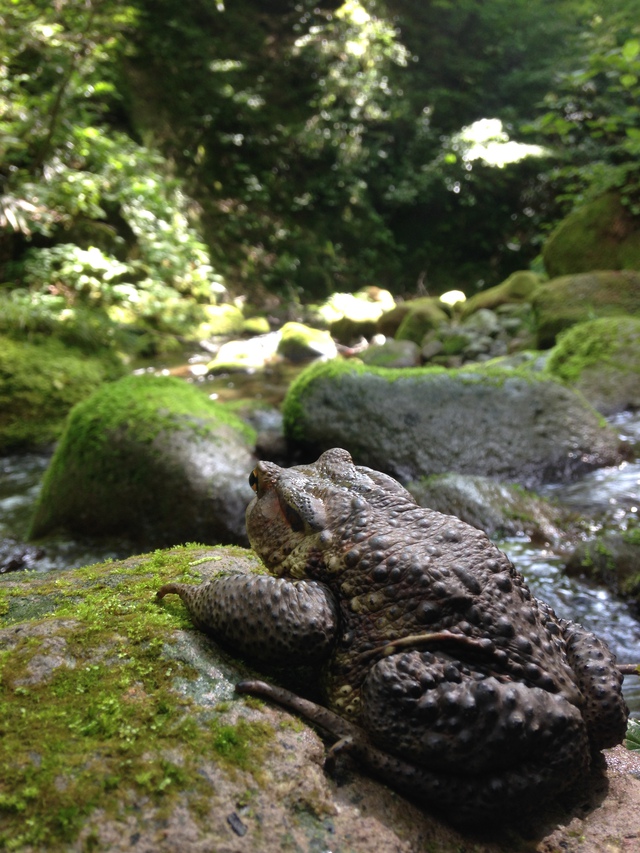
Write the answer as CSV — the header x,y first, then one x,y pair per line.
x,y
466,798
600,681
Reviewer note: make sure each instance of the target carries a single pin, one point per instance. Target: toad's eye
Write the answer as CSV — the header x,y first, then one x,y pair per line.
x,y
253,480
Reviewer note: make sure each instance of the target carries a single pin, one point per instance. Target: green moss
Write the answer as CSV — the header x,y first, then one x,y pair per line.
x,y
98,455
519,287
600,235
241,746
39,384
423,315
632,535
109,717
145,405
599,343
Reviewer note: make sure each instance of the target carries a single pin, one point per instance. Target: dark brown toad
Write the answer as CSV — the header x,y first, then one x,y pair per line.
x,y
441,671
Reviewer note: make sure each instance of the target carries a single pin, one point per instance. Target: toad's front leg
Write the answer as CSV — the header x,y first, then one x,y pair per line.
x,y
268,619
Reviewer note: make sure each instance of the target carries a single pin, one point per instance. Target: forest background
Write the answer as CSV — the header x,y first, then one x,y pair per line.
x,y
159,156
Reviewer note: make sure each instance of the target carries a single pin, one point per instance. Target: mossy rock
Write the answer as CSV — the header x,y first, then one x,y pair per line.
x,y
151,457
218,320
600,235
299,342
611,558
601,359
511,424
244,356
392,353
120,729
519,287
353,316
39,384
420,316
571,299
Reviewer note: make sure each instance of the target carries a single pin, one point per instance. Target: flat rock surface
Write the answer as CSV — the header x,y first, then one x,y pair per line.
x,y
120,731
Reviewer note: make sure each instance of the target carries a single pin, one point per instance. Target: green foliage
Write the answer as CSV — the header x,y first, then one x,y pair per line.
x,y
633,735
593,115
151,148
93,218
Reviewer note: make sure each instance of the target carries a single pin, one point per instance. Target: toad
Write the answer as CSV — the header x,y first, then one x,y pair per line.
x,y
441,672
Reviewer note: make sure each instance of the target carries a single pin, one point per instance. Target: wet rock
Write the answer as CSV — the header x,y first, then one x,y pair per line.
x,y
508,424
15,556
153,458
611,558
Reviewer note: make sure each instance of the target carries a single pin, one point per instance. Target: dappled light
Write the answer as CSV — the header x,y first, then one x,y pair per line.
x,y
487,140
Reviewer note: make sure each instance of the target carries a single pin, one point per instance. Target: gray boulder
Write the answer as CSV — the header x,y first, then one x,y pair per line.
x,y
500,509
511,425
152,458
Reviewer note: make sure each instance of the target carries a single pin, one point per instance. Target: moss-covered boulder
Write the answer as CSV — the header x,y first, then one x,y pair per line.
x,y
244,356
500,509
519,287
120,730
600,235
509,424
413,319
601,359
299,342
563,302
611,558
392,353
151,457
226,319
39,384
351,316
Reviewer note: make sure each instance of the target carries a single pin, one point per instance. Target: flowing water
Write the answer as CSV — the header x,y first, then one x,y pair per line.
x,y
614,492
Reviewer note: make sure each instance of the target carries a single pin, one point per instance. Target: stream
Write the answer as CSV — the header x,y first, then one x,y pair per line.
x,y
611,491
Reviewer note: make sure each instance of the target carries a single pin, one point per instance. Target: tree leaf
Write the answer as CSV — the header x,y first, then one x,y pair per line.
x,y
633,735
631,49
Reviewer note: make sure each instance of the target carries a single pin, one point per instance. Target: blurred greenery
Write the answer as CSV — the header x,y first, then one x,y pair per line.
x,y
161,156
